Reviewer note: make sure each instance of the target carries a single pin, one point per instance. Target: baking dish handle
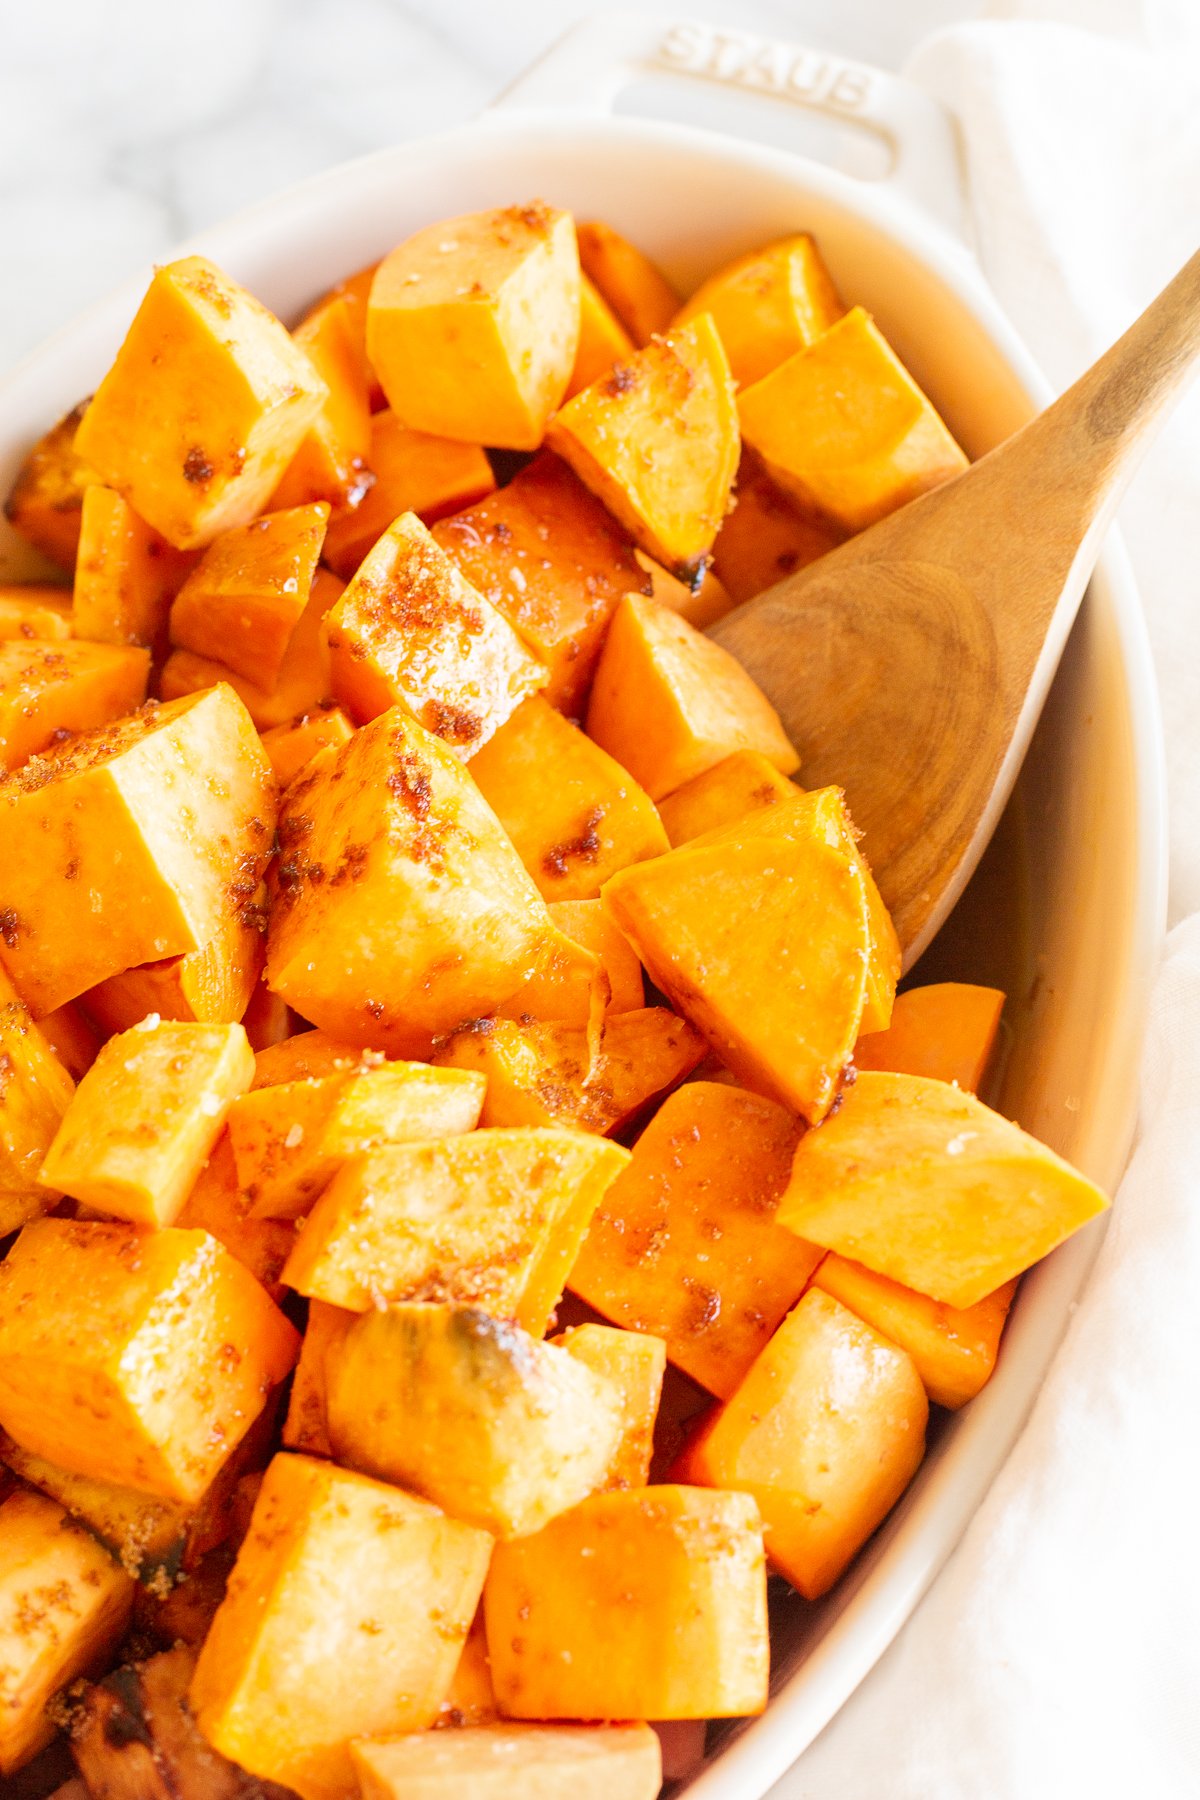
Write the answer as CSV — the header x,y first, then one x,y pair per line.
x,y
591,65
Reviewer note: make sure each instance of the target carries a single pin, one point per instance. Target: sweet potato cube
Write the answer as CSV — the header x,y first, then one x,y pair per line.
x,y
46,501
243,600
331,461
216,1204
656,439
136,1356
768,305
291,747
35,1092
761,935
701,604
99,874
125,575
668,703
64,1606
473,324
302,683
589,1762
634,1362
573,813
641,1600
953,1349
307,1055
739,784
471,1412
843,427
355,292
764,537
210,986
685,1242
491,1220
920,1181
290,1140
826,1431
413,471
548,556
638,293
48,690
306,1426
391,826
342,1579
35,610
204,407
946,1031
411,631
563,988
547,1073
470,1699
603,340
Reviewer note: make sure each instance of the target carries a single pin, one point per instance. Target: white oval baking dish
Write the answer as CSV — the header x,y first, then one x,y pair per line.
x,y
1067,911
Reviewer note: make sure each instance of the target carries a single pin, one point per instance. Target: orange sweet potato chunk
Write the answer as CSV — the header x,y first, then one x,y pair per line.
x,y
46,501
921,1182
844,428
738,784
546,1073
411,631
99,876
48,690
35,610
668,703
634,1362
768,305
216,1204
355,292
125,575
291,747
242,602
764,536
346,1576
549,557
411,471
685,1243
589,1762
638,293
946,1031
656,439
473,324
469,1699
204,407
310,1054
306,1426
564,987
85,1310
35,1092
826,1430
573,813
641,1600
331,461
210,986
603,340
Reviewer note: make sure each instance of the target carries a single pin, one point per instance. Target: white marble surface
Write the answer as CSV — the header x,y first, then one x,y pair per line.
x,y
127,124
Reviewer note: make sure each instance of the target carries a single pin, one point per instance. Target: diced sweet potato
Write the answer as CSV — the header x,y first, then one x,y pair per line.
x,y
35,610
345,1616
701,604
548,556
768,305
470,1699
125,575
391,826
603,340
413,471
764,537
953,1349
642,1600
471,1412
204,407
844,428
492,1220
70,1034
292,747
656,439
99,876
589,1762
244,599
573,813
145,1117
210,986
35,1092
634,1362
638,293
331,462
355,291
289,1140
826,1430
410,630
547,1074
473,324
727,791
217,1205
85,1380
563,988
947,1031
307,1055
46,501
64,1606
668,703
306,1426
48,691
685,1242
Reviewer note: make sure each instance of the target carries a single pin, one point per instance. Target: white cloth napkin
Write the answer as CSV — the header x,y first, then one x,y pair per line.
x,y
1058,1655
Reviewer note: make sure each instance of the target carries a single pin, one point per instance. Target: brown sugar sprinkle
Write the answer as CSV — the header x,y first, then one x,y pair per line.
x,y
196,467
621,379
585,848
454,724
11,927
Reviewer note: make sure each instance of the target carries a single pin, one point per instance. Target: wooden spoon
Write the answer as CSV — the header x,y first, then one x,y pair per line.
x,y
910,665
